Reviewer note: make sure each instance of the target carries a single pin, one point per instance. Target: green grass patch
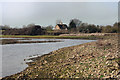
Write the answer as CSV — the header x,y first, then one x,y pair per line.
x,y
101,76
51,36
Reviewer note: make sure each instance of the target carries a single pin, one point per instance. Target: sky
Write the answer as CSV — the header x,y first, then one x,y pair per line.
x,y
59,0
17,14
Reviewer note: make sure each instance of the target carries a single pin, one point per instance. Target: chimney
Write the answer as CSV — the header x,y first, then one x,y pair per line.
x,y
61,23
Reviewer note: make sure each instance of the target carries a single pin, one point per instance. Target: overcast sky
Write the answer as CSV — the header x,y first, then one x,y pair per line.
x,y
17,14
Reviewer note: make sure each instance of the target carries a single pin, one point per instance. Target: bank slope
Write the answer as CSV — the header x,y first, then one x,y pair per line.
x,y
90,60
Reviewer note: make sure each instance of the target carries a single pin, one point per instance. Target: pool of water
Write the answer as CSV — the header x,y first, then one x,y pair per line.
x,y
13,55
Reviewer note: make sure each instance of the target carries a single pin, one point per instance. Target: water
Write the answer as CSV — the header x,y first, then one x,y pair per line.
x,y
13,55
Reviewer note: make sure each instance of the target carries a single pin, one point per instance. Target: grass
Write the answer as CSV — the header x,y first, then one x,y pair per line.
x,y
27,36
52,36
16,41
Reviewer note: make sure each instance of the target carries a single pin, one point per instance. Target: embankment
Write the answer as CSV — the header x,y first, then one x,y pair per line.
x,y
19,41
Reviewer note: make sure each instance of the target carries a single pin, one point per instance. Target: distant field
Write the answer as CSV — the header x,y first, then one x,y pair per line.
x,y
50,36
19,41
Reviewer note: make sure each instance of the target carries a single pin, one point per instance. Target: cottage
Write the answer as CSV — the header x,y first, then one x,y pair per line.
x,y
61,27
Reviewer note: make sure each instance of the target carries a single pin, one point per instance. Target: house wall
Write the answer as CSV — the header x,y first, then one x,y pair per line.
x,y
57,27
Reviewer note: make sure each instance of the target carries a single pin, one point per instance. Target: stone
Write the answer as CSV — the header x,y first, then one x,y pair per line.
x,y
45,62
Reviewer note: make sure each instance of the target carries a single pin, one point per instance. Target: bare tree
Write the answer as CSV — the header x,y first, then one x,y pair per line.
x,y
77,22
49,28
31,25
58,22
5,27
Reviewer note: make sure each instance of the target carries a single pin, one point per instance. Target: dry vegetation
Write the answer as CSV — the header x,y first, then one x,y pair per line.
x,y
19,41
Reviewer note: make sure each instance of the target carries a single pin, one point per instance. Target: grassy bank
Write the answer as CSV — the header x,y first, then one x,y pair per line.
x,y
90,60
55,37
19,41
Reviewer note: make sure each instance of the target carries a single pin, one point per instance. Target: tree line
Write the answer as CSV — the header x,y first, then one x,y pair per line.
x,y
74,26
30,29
